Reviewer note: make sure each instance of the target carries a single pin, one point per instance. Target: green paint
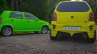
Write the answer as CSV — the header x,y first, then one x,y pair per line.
x,y
21,25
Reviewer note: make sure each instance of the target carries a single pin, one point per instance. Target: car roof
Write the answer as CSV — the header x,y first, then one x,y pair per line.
x,y
14,11
73,1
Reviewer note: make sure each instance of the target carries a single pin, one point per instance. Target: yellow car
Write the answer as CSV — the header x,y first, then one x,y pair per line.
x,y
73,19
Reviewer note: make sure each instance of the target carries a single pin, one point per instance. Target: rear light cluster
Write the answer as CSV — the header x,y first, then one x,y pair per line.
x,y
54,17
91,17
54,26
91,27
0,20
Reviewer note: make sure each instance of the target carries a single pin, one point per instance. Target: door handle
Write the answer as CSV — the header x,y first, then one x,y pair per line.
x,y
28,21
12,20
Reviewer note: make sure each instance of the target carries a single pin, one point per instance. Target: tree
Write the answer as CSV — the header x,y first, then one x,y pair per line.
x,y
3,5
40,8
93,4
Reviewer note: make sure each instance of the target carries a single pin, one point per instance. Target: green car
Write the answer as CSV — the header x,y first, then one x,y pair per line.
x,y
15,21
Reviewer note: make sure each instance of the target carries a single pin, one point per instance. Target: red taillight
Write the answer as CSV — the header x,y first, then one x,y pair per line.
x,y
0,20
54,17
91,16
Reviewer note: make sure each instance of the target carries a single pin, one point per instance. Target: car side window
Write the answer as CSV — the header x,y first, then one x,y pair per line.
x,y
16,15
29,16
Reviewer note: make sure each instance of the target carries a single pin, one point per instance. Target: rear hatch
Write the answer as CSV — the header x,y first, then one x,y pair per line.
x,y
73,13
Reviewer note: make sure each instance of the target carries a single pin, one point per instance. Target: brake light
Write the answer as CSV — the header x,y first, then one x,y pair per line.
x,y
54,17
0,20
91,16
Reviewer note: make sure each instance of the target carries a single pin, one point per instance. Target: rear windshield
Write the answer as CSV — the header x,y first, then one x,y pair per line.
x,y
72,7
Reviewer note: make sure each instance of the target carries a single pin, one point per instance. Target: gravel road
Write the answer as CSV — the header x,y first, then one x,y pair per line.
x,y
41,44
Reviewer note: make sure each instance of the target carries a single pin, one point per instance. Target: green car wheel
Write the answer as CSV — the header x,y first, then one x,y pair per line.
x,y
44,30
6,31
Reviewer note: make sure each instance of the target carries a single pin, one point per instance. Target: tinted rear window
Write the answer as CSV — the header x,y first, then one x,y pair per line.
x,y
73,7
16,15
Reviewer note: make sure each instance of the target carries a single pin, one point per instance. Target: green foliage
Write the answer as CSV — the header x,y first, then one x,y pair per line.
x,y
40,8
37,7
93,4
2,6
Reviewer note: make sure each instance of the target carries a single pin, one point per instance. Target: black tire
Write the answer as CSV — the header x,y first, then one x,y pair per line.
x,y
0,33
6,31
44,30
59,36
92,40
53,38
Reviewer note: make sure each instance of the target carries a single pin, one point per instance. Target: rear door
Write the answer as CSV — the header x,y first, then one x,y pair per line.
x,y
72,13
16,20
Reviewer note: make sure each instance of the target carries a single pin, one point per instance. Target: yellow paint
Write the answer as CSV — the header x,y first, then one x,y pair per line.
x,y
81,19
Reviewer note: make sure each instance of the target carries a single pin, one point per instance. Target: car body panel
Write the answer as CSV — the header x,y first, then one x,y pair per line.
x,y
21,25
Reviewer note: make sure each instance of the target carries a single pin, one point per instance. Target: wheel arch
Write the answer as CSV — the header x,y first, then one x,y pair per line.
x,y
7,26
46,26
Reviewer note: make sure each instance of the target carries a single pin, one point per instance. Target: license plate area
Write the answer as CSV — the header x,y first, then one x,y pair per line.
x,y
71,28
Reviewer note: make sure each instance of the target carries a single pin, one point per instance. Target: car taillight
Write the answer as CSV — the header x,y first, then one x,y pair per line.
x,y
91,16
54,17
0,20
